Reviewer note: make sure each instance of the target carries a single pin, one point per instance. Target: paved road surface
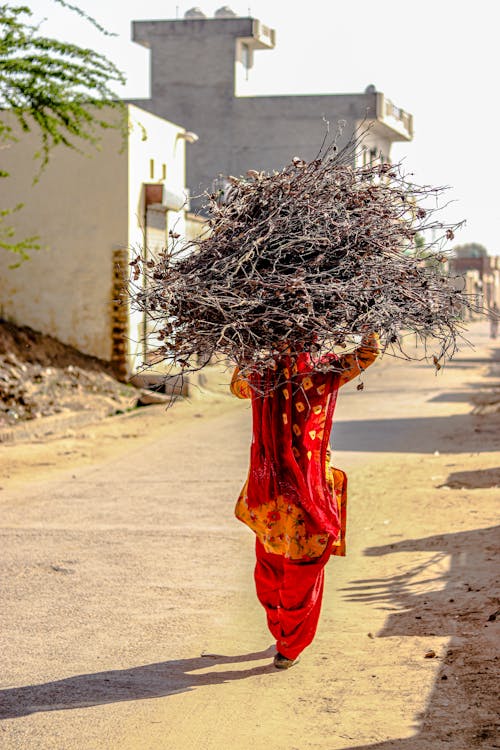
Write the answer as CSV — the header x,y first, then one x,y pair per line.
x,y
130,620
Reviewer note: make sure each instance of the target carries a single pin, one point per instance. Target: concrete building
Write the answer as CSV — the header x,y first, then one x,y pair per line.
x,y
195,64
92,213
473,260
478,273
482,291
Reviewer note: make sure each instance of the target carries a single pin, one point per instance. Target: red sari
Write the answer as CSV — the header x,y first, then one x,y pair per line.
x,y
292,499
292,421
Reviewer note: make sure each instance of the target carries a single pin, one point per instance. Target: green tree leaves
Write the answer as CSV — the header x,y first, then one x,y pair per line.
x,y
58,89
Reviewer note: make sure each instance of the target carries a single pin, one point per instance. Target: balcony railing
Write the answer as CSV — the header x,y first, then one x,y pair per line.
x,y
395,117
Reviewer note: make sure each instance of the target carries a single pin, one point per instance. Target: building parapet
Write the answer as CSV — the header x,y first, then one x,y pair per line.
x,y
399,121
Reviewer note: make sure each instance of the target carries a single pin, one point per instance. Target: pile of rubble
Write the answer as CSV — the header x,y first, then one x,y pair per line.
x,y
40,376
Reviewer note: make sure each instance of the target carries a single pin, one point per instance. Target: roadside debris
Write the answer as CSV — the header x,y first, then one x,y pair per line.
x,y
40,377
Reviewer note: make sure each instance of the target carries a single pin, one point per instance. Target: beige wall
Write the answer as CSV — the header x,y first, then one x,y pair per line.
x,y
79,210
85,208
376,137
196,227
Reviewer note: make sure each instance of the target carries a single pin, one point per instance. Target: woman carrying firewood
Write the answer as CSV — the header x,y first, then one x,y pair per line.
x,y
293,500
308,255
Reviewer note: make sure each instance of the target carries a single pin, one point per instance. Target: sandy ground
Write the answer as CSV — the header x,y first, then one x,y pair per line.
x,y
41,377
129,619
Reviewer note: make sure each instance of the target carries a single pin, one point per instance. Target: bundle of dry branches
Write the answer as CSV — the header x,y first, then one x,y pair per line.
x,y
308,256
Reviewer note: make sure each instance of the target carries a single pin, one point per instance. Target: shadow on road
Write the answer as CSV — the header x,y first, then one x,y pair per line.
x,y
453,434
478,479
451,397
462,711
137,683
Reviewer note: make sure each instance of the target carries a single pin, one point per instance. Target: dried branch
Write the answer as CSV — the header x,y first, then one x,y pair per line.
x,y
308,256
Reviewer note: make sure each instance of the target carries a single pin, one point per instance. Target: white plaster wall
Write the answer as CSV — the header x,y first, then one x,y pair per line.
x,y
79,210
151,138
83,207
376,137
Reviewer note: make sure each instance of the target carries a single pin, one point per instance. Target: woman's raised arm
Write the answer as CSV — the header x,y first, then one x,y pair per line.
x,y
356,362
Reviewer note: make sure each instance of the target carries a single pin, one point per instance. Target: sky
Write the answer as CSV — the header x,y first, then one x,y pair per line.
x,y
437,59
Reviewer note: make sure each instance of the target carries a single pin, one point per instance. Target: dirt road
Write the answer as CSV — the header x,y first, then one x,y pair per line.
x,y
129,619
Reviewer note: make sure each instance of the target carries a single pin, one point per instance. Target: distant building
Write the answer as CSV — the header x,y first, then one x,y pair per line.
x,y
92,212
195,62
478,273
471,258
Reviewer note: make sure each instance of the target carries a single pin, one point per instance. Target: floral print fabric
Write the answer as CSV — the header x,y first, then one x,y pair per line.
x,y
282,527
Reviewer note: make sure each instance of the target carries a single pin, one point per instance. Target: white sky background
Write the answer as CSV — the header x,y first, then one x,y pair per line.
x,y
435,58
